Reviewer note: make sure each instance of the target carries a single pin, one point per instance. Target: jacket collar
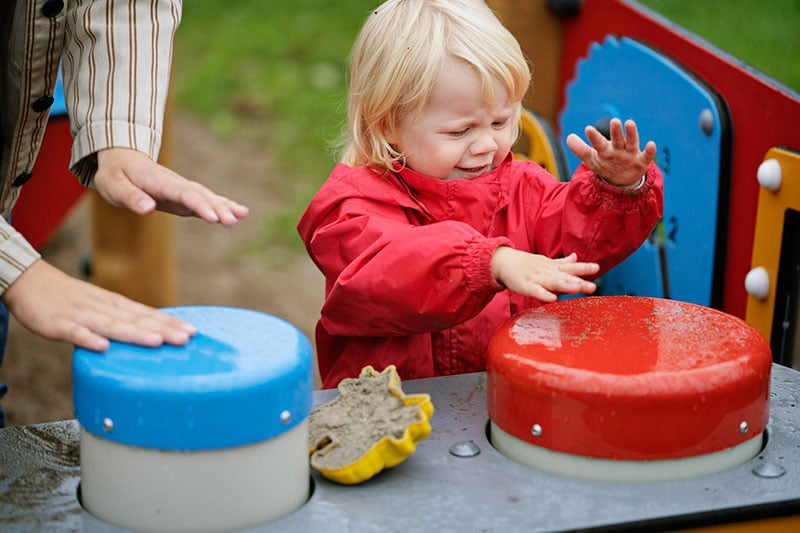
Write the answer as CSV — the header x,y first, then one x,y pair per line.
x,y
474,201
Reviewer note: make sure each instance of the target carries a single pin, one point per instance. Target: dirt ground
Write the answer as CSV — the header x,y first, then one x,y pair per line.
x,y
213,268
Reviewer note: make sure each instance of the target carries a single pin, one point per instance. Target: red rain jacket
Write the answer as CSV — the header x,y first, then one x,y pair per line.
x,y
406,257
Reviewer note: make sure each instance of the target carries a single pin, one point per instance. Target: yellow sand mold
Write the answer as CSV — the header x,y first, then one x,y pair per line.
x,y
370,426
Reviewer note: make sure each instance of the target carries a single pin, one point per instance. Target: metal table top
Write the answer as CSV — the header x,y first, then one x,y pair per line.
x,y
436,490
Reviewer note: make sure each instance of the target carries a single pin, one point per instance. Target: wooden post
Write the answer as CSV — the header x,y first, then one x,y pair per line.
x,y
538,31
136,255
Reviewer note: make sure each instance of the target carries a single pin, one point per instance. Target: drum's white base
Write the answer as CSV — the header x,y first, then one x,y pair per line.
x,y
590,468
156,490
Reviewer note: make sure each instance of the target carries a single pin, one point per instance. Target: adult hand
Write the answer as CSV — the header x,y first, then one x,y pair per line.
x,y
59,307
128,178
617,160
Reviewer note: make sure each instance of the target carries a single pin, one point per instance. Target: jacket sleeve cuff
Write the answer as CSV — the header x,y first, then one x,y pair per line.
x,y
16,255
92,139
478,265
600,192
635,186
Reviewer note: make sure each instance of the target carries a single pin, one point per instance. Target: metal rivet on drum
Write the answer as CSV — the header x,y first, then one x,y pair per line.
x,y
536,430
286,417
743,427
465,449
108,425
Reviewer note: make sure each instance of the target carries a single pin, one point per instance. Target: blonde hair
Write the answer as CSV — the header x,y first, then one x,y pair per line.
x,y
396,58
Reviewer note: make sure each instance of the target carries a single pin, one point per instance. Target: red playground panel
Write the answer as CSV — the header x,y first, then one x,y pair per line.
x,y
53,191
762,113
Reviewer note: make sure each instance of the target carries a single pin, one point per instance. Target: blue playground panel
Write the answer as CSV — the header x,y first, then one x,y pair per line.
x,y
623,78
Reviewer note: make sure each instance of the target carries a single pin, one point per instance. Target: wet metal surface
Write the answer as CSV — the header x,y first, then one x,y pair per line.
x,y
625,377
436,491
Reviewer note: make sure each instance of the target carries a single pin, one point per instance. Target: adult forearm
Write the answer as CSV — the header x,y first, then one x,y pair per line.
x,y
116,69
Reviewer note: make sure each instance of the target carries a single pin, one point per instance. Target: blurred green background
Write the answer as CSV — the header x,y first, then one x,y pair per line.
x,y
275,71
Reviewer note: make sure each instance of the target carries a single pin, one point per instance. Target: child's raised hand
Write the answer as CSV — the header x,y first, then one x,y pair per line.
x,y
539,276
617,160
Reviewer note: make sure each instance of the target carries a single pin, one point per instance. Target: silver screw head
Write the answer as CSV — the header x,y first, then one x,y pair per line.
x,y
769,469
108,425
465,449
706,121
286,417
536,430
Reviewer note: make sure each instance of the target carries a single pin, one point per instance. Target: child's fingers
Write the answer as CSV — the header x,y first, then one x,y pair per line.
x,y
578,147
650,151
598,140
541,292
617,136
579,269
632,134
570,285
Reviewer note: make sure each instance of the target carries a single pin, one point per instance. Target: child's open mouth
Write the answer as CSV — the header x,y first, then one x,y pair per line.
x,y
474,171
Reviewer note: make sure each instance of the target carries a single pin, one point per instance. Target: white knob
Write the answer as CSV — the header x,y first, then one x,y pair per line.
x,y
769,174
756,283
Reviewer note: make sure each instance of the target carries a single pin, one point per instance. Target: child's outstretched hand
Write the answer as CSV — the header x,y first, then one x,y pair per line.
x,y
618,160
540,277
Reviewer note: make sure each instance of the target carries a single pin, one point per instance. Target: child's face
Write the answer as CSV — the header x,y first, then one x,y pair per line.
x,y
457,134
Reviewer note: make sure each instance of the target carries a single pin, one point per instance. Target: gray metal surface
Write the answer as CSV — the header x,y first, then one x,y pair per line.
x,y
435,490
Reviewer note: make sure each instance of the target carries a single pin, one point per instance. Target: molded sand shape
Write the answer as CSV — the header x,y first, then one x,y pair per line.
x,y
370,426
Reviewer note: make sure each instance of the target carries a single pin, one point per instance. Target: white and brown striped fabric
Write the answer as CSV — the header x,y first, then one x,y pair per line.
x,y
116,58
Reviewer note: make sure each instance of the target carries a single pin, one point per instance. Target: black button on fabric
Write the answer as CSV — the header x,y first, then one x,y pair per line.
x,y
22,179
51,8
43,103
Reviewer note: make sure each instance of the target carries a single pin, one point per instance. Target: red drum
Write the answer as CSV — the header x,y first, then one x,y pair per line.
x,y
627,379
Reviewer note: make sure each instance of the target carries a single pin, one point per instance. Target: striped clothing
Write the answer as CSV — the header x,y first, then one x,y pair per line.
x,y
116,58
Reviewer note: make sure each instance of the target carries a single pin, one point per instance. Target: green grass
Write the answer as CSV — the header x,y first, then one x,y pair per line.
x,y
764,34
276,69
273,69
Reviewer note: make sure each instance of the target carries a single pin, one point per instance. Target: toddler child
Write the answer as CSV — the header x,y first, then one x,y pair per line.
x,y
429,233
